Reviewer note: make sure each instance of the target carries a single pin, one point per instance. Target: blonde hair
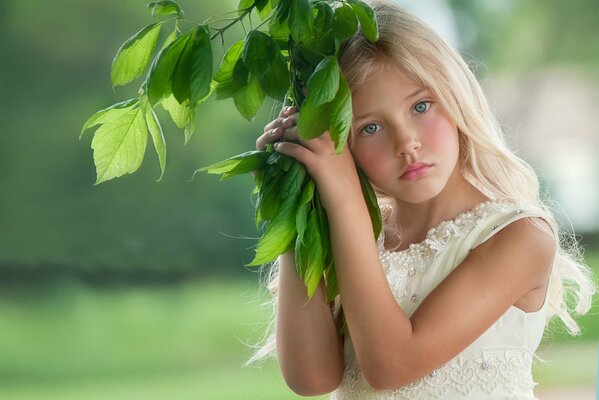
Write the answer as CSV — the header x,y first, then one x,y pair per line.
x,y
486,161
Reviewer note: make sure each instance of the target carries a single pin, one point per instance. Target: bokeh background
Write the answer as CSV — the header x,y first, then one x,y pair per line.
x,y
135,289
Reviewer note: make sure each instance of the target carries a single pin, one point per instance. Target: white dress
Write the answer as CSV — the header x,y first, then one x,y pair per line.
x,y
498,364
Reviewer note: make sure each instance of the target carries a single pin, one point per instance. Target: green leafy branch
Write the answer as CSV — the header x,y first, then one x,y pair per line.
x,y
295,61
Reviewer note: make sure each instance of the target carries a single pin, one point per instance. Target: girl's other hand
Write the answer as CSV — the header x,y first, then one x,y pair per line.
x,y
283,128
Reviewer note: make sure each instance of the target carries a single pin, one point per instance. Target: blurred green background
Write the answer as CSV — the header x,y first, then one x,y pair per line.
x,y
135,289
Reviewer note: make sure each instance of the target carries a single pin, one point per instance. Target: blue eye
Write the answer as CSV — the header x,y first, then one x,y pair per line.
x,y
370,128
422,106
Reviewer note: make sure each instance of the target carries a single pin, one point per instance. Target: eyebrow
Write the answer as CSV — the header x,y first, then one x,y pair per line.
x,y
417,92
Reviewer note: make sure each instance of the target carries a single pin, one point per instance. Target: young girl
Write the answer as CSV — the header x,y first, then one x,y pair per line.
x,y
452,300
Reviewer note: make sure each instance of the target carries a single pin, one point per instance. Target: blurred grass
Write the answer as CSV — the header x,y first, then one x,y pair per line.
x,y
71,341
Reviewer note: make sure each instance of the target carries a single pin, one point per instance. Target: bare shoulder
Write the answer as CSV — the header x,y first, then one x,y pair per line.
x,y
525,247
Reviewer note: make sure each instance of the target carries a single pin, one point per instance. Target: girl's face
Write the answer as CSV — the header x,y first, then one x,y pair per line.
x,y
398,123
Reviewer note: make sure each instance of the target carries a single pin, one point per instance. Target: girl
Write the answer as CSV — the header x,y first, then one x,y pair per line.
x,y
452,300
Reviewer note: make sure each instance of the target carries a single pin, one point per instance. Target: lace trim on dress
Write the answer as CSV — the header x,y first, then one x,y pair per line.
x,y
400,266
486,371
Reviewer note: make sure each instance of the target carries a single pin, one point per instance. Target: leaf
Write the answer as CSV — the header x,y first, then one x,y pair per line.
x,y
249,99
324,81
332,284
282,11
275,82
269,198
372,203
309,255
323,19
313,120
119,145
180,113
157,137
225,71
243,5
133,56
170,38
301,219
232,87
162,69
279,234
294,178
279,29
264,9
166,7
367,19
345,22
108,114
301,20
259,52
341,115
193,73
239,164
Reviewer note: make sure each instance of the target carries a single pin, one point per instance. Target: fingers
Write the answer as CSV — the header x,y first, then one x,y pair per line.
x,y
285,112
282,128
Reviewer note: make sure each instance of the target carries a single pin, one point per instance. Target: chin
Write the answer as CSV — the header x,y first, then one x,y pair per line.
x,y
420,193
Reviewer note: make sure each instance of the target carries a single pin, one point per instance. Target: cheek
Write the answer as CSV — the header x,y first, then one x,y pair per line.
x,y
442,137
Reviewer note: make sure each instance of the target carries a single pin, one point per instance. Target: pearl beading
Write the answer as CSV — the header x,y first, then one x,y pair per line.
x,y
401,266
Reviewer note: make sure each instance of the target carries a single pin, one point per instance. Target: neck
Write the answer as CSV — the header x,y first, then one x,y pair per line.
x,y
415,219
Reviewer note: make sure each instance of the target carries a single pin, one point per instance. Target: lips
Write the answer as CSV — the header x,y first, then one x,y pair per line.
x,y
413,167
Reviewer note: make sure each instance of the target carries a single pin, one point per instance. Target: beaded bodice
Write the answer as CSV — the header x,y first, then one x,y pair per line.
x,y
499,362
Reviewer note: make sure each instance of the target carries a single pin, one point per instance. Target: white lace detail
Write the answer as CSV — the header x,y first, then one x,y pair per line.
x,y
486,371
400,266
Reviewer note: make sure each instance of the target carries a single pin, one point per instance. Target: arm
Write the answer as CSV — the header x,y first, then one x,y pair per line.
x,y
393,350
309,350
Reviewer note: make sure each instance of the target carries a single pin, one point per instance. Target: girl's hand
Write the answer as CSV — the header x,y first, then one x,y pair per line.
x,y
335,175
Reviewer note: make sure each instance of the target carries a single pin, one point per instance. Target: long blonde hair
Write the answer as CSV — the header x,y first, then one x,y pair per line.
x,y
485,159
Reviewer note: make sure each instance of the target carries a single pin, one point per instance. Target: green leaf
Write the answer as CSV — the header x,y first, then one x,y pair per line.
x,y
294,178
279,29
367,19
236,165
301,20
134,55
225,71
162,69
157,137
341,115
231,87
243,5
108,114
193,73
275,82
259,52
345,22
313,120
323,19
301,219
309,255
279,234
119,145
170,38
324,82
264,9
372,203
166,7
269,198
282,11
332,284
249,99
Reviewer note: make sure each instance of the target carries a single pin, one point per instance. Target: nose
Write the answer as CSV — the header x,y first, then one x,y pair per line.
x,y
406,145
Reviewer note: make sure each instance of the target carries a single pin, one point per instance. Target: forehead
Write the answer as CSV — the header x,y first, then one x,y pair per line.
x,y
388,84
